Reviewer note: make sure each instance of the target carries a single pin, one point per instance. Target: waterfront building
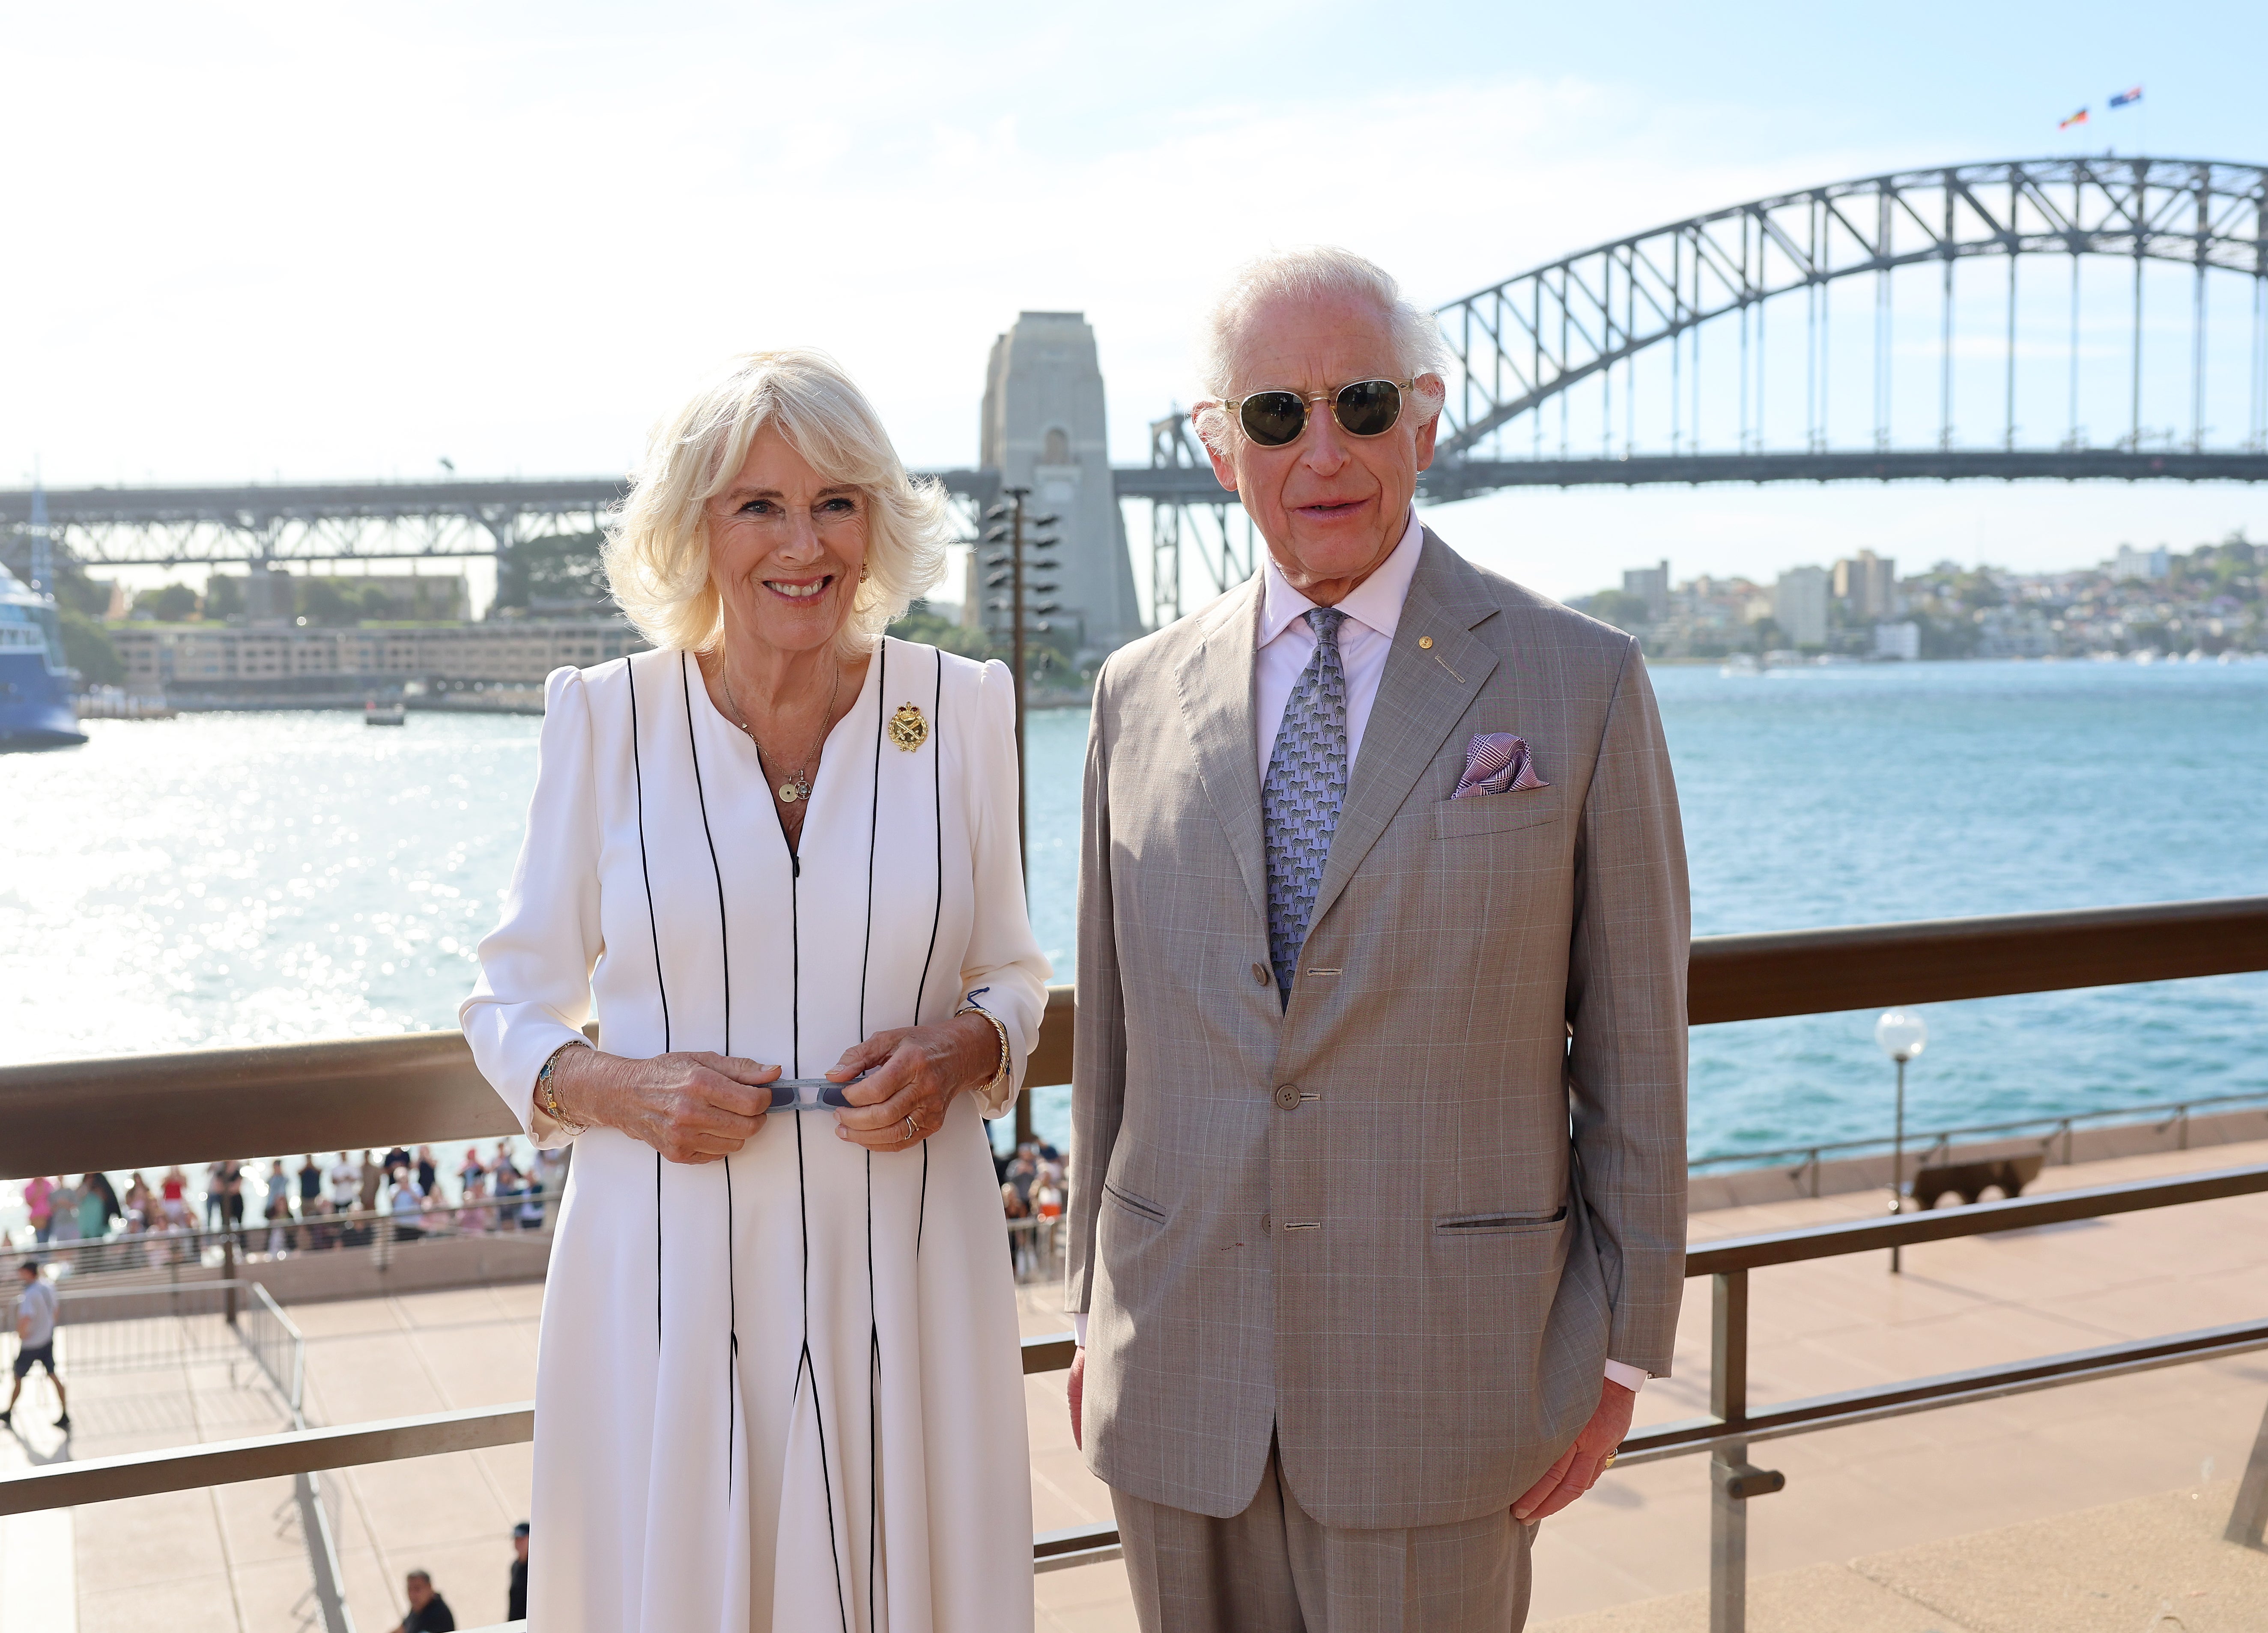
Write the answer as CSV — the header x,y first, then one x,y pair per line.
x,y
1868,585
1800,606
2146,565
1650,584
1898,640
189,663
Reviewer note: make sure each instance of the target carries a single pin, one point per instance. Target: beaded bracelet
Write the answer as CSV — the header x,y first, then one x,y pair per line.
x,y
546,1096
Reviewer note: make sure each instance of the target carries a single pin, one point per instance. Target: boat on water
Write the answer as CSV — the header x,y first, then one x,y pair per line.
x,y
36,710
375,713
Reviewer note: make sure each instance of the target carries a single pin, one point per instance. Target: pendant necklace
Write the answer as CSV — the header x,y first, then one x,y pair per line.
x,y
797,786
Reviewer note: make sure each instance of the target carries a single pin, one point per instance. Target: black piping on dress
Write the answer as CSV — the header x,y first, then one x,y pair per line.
x,y
653,924
725,953
805,1365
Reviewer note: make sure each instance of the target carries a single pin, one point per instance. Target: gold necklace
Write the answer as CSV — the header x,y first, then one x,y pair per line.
x,y
798,786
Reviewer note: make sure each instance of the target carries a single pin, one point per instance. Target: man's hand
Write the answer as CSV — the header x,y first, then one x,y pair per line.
x,y
1077,1389
1578,1470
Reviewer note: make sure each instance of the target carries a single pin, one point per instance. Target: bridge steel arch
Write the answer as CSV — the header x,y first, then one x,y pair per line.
x,y
1519,344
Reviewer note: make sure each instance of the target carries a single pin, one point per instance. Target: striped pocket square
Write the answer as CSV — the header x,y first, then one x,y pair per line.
x,y
1497,763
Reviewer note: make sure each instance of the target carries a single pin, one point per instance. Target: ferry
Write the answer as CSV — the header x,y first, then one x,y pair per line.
x,y
35,684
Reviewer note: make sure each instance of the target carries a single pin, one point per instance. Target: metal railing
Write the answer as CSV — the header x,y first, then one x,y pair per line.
x,y
207,1323
2058,1124
133,1256
132,1111
205,1105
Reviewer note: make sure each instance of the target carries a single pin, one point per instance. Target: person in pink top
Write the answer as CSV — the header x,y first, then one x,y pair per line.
x,y
39,1200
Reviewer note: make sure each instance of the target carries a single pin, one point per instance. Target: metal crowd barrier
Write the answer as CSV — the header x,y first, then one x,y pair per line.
x,y
206,1105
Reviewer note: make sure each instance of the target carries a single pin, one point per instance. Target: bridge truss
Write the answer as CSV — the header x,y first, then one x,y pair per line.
x,y
1723,335
1863,330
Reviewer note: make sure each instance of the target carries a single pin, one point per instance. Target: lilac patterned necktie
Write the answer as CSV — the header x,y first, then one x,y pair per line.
x,y
1301,798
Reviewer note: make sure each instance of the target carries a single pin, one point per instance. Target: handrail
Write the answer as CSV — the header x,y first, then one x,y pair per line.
x,y
1929,1139
221,1462
203,1105
2022,1213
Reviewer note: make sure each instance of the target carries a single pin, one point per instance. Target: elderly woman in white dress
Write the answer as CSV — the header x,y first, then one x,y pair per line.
x,y
778,1383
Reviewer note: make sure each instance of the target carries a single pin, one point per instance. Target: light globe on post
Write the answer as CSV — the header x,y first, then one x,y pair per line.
x,y
1902,1034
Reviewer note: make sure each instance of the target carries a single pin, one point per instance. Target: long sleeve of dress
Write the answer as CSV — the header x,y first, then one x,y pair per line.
x,y
1005,973
534,988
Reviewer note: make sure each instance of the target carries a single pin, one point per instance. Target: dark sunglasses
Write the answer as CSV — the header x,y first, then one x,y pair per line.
x,y
1274,419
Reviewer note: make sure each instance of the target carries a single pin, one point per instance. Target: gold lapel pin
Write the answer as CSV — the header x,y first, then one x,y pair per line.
x,y
908,727
1425,642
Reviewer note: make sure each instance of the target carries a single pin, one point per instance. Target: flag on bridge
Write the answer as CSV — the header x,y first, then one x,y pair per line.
x,y
2079,118
2124,97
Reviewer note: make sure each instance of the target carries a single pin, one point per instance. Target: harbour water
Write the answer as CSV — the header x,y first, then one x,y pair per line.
x,y
242,878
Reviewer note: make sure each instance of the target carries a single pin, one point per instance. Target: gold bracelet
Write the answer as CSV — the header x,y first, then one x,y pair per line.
x,y
1000,1073
547,1095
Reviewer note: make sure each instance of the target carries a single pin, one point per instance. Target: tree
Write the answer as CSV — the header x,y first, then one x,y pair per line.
x,y
224,595
934,629
72,586
325,601
171,603
87,649
565,567
1618,607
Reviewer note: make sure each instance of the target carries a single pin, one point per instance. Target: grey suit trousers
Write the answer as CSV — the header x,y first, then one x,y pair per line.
x,y
1275,1569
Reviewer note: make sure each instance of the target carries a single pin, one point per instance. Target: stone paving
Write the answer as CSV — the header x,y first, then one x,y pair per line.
x,y
2069,1509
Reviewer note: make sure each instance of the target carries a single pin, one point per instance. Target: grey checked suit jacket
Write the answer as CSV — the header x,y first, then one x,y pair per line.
x,y
1403,1224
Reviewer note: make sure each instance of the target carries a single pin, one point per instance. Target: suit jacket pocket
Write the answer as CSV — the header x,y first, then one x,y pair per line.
x,y
1497,1224
1140,1206
1496,813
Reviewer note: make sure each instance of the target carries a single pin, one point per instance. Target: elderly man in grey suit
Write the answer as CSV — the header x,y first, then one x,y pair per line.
x,y
1378,1218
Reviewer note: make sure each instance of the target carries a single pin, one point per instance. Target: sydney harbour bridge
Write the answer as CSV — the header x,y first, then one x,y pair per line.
x,y
2069,319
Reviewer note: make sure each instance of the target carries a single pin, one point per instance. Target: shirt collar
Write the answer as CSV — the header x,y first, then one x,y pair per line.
x,y
1375,603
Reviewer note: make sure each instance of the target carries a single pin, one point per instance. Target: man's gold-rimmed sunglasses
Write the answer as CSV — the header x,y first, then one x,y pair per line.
x,y
1274,419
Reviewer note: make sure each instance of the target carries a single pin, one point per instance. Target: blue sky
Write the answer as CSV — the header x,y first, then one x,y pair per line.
x,y
252,240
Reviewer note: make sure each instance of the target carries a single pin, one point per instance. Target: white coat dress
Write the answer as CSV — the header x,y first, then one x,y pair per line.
x,y
780,1392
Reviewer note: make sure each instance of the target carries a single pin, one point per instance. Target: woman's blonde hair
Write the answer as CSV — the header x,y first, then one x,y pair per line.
x,y
657,548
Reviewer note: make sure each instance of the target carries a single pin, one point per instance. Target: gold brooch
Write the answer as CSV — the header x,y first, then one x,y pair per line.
x,y
908,727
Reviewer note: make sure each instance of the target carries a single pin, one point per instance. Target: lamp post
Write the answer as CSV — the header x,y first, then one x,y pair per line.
x,y
1902,1034
1011,569
1008,564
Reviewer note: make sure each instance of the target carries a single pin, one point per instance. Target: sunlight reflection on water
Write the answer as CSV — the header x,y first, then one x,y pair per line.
x,y
247,879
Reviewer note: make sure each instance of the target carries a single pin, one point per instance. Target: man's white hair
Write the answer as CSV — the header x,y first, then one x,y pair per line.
x,y
1315,272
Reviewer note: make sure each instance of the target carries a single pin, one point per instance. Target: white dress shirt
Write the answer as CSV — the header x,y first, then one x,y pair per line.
x,y
1282,645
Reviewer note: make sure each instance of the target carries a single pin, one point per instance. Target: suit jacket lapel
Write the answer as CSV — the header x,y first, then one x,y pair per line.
x,y
1423,693
1215,685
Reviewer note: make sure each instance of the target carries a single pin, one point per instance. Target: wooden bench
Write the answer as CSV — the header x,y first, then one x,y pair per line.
x,y
1970,1180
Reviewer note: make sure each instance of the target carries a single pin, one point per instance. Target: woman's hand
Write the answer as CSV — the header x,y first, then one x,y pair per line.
x,y
691,1107
914,1072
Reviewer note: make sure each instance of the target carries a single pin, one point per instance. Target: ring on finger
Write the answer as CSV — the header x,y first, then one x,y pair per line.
x,y
911,1136
1608,1461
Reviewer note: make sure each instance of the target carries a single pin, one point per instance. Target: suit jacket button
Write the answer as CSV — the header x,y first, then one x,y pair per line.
x,y
1288,1096
1260,974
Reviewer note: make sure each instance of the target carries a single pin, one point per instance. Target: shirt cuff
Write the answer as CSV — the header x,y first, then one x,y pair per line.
x,y
1630,1378
1079,1328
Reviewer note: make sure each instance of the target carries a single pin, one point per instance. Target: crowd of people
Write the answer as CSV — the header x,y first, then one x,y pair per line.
x,y
1034,1182
281,1208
